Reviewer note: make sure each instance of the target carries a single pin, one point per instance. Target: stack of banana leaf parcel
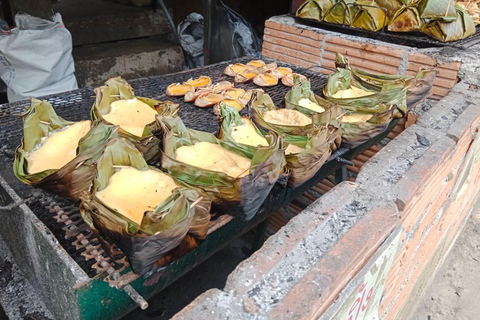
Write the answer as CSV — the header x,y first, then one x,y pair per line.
x,y
443,20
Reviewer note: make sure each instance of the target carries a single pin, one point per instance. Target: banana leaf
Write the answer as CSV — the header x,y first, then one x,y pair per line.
x,y
369,16
119,89
229,118
240,197
331,117
443,10
314,9
392,6
318,140
418,86
407,19
459,29
340,13
39,121
354,134
382,98
161,230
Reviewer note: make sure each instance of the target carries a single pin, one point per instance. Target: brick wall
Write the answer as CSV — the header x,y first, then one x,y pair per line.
x,y
316,49
310,266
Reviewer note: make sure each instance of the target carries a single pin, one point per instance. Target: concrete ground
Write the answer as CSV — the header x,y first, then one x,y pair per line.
x,y
453,294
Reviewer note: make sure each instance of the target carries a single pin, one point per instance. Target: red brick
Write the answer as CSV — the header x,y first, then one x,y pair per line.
x,y
439,91
292,45
362,54
359,63
388,51
421,58
292,37
310,297
286,58
292,53
444,83
294,30
466,124
421,170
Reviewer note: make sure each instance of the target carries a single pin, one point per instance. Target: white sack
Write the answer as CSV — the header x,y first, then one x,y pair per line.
x,y
36,58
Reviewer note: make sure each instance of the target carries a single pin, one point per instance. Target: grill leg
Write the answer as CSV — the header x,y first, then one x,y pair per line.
x,y
259,235
341,174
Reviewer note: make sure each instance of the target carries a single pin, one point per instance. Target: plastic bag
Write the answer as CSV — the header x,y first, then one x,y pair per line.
x,y
235,35
36,58
190,35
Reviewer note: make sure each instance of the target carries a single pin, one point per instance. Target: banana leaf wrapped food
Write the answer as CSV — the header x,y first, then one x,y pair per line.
x,y
417,86
406,19
311,138
56,154
116,104
455,30
437,9
368,15
235,182
143,210
369,108
340,13
315,9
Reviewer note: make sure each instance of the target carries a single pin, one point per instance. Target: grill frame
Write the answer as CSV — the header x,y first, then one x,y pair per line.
x,y
69,289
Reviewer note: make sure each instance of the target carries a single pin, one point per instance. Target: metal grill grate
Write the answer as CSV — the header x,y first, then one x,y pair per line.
x,y
62,216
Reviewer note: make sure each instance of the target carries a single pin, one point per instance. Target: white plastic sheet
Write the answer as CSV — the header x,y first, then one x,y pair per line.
x,y
36,58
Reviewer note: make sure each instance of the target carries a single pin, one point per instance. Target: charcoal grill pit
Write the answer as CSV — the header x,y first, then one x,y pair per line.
x,y
74,268
68,225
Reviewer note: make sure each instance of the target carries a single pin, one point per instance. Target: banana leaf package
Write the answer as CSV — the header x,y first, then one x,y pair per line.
x,y
312,137
236,181
340,13
455,30
406,19
142,209
116,104
418,86
315,9
443,10
369,16
392,6
59,155
369,108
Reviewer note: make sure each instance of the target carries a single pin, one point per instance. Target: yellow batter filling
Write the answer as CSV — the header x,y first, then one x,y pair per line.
x,y
292,149
213,157
287,117
132,192
352,92
131,115
356,118
307,103
247,134
58,149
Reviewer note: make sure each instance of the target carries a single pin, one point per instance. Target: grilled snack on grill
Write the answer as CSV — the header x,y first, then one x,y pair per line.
x,y
287,80
145,211
265,80
311,136
56,154
178,89
116,104
233,180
